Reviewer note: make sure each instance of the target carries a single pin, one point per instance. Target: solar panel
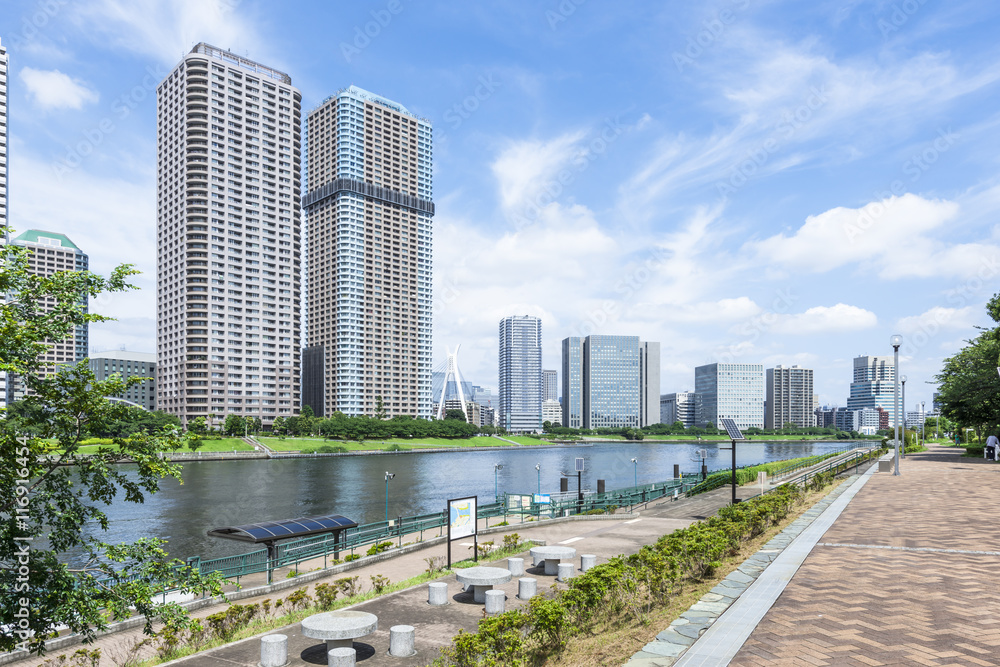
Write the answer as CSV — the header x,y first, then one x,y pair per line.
x,y
579,465
267,531
732,429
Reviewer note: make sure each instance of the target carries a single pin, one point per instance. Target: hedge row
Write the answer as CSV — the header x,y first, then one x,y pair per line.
x,y
625,589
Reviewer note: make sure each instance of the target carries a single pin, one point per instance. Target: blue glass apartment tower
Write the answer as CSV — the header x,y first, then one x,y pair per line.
x,y
520,374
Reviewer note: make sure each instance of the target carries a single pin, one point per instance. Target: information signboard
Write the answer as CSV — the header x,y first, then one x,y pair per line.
x,y
462,517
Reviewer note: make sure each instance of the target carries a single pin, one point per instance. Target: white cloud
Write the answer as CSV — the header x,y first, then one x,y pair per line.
x,y
167,29
526,168
825,319
939,317
51,89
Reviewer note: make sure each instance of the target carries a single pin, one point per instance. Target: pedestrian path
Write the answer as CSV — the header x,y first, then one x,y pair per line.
x,y
904,570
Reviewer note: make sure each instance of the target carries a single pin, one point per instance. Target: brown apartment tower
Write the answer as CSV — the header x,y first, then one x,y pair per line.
x,y
369,213
228,239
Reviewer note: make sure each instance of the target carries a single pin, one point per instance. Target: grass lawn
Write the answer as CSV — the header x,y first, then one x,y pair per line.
x,y
298,444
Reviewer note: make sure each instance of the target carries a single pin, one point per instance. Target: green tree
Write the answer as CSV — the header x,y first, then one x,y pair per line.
x,y
235,425
45,501
278,427
454,414
198,425
379,408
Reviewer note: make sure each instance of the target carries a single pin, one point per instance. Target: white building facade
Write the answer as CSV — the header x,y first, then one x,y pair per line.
x,y
228,239
733,391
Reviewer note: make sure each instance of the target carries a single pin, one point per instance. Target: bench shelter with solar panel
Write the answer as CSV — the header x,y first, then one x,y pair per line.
x,y
269,532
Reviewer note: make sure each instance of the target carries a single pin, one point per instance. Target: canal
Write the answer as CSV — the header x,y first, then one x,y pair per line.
x,y
228,493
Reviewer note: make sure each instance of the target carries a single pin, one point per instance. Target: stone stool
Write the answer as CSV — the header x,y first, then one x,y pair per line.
x,y
516,566
401,641
341,657
273,651
437,593
587,561
565,571
526,588
495,602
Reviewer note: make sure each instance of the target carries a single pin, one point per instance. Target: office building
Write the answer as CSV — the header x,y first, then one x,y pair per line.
x,y
825,416
552,412
733,391
614,381
128,364
368,201
864,421
50,253
228,239
873,384
572,379
520,374
550,380
789,397
683,407
3,180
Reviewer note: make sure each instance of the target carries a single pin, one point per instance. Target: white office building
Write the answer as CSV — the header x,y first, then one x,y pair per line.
x,y
733,391
613,381
683,407
228,239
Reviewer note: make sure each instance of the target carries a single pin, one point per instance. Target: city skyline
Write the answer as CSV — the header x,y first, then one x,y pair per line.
x,y
726,193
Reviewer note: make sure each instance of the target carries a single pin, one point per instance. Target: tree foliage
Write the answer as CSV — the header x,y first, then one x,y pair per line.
x,y
49,490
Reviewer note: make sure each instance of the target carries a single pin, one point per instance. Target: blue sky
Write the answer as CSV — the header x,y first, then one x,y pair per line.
x,y
756,181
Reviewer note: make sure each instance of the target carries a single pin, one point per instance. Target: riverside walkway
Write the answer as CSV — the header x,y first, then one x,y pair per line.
x,y
907,572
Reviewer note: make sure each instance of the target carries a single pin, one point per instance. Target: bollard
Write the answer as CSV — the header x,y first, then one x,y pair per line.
x,y
526,588
587,561
565,572
341,657
401,641
437,593
273,650
495,601
516,566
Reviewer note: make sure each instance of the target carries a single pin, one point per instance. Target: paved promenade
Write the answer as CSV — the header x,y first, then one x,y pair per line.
x,y
908,573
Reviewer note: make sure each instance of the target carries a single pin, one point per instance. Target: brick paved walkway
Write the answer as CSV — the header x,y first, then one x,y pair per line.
x,y
909,574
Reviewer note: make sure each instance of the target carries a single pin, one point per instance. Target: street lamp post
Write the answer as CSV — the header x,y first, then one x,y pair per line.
x,y
538,472
902,381
388,476
635,472
896,340
496,489
923,422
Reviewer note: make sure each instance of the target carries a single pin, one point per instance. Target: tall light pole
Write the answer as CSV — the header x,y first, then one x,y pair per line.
x,y
538,472
896,340
923,422
902,381
635,472
388,476
496,490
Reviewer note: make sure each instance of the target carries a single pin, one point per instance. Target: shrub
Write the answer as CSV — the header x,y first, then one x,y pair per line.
x,y
435,564
395,447
379,583
351,557
511,542
594,511
225,624
379,547
298,599
330,449
326,594
348,586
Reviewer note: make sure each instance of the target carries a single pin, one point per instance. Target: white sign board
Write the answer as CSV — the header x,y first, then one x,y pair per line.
x,y
462,517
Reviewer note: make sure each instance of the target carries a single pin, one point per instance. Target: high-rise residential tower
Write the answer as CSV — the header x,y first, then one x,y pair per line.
x,y
3,179
369,223
789,396
873,385
734,391
520,374
51,252
615,381
228,244
550,383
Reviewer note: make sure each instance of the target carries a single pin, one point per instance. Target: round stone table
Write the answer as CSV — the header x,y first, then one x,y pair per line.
x,y
339,628
483,579
552,556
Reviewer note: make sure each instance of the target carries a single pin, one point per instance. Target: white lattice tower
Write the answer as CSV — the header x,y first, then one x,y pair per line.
x,y
452,372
